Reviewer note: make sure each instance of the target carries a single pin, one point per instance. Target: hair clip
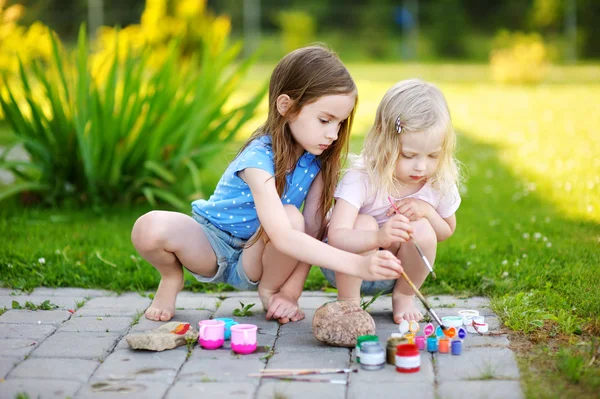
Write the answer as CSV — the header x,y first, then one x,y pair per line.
x,y
398,125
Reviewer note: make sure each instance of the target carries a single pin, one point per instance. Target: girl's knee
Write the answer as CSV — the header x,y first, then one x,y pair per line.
x,y
366,223
148,231
295,217
424,233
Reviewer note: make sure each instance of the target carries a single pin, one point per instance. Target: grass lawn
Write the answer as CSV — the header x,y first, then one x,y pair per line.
x,y
528,230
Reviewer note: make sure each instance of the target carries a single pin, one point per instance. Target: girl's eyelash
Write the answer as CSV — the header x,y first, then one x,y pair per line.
x,y
323,121
407,157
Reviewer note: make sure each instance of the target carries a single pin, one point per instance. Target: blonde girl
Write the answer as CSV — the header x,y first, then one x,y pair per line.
x,y
250,233
408,155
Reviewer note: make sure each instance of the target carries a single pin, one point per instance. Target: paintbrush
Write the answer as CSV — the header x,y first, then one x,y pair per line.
x,y
415,289
417,246
291,379
292,372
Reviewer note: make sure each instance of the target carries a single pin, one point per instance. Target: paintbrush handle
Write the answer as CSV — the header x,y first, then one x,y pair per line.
x,y
423,300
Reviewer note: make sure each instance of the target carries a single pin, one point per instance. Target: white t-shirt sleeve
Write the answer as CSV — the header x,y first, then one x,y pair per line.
x,y
449,202
352,188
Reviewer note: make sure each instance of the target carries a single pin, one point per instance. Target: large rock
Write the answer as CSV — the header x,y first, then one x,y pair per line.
x,y
167,336
339,323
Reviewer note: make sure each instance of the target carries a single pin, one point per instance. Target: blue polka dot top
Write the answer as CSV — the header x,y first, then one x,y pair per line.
x,y
231,208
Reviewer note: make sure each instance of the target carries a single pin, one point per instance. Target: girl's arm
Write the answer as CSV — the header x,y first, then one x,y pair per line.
x,y
382,266
342,234
415,209
312,220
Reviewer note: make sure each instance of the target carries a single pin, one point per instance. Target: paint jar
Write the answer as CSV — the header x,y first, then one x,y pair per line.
x,y
360,340
456,347
444,345
372,356
243,338
228,324
390,348
481,328
410,338
452,321
408,358
211,334
420,342
469,319
432,344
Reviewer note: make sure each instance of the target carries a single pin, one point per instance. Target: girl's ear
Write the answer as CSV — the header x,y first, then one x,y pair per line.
x,y
283,104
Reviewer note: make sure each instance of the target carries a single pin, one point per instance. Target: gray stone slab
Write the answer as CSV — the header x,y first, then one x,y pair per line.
x,y
221,390
55,369
17,347
141,366
221,370
28,331
184,316
264,345
314,302
35,388
117,325
474,340
128,389
477,363
389,373
7,364
35,317
303,326
301,390
63,302
480,390
130,301
93,345
74,292
332,295
197,302
108,312
391,390
289,360
304,343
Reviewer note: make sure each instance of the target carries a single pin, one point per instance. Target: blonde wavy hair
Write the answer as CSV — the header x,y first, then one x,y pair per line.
x,y
420,107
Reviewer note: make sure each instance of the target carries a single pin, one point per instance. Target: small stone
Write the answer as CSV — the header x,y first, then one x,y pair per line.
x,y
167,336
339,323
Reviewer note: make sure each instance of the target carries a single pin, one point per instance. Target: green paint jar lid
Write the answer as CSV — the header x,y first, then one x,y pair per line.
x,y
365,338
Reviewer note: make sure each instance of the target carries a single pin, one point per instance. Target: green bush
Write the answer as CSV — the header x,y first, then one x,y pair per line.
x,y
140,131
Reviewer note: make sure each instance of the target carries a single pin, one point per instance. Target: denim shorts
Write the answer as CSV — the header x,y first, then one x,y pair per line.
x,y
228,250
367,287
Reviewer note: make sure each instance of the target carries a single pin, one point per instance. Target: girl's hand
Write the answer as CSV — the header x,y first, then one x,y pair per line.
x,y
284,308
412,208
397,229
382,265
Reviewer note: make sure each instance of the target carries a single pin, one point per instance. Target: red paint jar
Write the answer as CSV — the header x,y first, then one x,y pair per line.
x,y
408,358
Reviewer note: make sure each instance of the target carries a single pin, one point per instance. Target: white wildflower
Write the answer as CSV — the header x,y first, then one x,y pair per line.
x,y
42,261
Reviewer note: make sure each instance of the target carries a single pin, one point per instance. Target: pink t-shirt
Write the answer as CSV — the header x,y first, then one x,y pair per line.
x,y
353,188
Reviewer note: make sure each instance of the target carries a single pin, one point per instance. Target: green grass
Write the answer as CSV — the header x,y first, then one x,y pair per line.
x,y
528,230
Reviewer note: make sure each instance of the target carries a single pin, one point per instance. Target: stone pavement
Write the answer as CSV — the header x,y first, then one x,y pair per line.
x,y
59,354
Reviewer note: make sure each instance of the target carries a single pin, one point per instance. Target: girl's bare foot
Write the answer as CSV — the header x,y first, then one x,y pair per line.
x,y
404,308
163,305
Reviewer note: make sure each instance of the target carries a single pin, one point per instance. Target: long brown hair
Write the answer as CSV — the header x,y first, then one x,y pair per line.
x,y
305,75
